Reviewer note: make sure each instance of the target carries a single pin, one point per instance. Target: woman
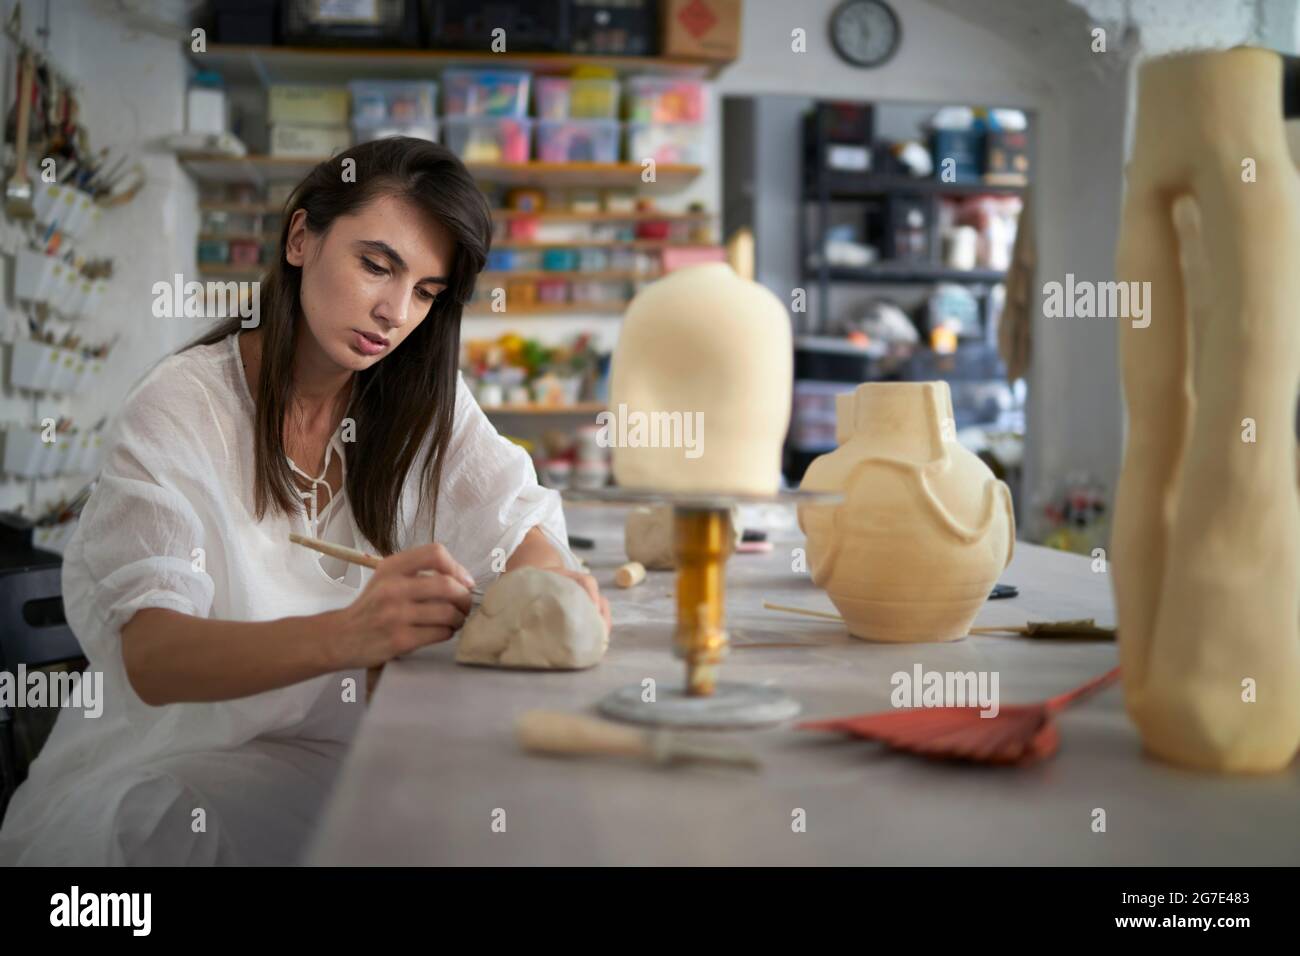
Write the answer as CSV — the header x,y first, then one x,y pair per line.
x,y
234,662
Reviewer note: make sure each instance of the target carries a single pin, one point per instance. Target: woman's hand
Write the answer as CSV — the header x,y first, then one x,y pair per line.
x,y
536,551
593,591
415,597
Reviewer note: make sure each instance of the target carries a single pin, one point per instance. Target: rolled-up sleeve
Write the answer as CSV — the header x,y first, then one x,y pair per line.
x,y
489,498
140,540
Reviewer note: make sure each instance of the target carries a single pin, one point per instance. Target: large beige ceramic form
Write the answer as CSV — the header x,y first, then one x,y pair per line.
x,y
704,343
1207,523
924,530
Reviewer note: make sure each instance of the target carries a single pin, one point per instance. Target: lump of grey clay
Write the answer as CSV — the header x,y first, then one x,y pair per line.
x,y
534,619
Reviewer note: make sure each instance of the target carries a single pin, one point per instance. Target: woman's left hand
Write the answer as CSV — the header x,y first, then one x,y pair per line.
x,y
593,591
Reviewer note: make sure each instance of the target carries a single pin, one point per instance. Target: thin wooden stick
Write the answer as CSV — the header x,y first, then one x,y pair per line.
x,y
336,550
351,555
801,610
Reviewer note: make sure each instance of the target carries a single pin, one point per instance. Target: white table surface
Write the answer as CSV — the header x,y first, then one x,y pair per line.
x,y
436,758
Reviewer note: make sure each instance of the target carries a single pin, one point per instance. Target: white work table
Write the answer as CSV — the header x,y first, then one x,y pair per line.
x,y
436,757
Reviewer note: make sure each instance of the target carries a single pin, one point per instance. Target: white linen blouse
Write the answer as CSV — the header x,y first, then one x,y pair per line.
x,y
171,524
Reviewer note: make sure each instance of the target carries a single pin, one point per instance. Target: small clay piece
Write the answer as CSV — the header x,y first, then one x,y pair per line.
x,y
536,619
629,574
648,536
925,529
1206,542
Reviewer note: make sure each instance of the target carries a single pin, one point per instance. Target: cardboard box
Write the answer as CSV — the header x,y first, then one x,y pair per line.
x,y
1006,156
700,29
308,105
309,142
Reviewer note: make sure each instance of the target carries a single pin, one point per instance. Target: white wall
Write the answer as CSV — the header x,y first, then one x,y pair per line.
x,y
132,84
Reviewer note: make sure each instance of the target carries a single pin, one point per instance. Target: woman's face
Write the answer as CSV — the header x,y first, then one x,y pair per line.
x,y
370,279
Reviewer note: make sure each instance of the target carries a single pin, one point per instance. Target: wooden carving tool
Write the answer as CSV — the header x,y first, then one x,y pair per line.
x,y
554,732
353,556
1085,629
371,561
1082,630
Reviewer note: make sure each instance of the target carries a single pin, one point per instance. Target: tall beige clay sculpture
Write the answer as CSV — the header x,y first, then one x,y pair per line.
x,y
925,529
715,351
1207,523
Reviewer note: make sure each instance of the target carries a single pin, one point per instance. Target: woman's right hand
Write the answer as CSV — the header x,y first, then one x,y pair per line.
x,y
401,609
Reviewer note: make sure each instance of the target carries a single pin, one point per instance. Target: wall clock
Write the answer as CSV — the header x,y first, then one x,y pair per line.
x,y
865,33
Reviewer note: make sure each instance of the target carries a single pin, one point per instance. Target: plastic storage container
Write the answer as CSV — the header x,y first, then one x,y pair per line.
x,y
577,141
665,143
657,99
399,102
365,132
488,140
560,98
501,93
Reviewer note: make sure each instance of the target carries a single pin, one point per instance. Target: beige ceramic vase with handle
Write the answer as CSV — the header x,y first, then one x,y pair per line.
x,y
924,529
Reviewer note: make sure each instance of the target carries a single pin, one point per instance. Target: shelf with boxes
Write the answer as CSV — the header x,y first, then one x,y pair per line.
x,y
573,130
249,64
585,247
236,233
513,374
941,206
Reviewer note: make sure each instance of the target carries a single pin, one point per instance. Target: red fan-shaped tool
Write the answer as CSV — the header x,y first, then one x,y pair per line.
x,y
1020,734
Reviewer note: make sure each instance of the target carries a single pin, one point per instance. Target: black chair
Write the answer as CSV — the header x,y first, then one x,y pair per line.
x,y
33,632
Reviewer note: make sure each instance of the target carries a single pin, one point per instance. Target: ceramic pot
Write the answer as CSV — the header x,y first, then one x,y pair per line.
x,y
924,529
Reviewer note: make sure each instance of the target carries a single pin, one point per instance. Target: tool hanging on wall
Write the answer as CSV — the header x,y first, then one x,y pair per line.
x,y
18,190
48,111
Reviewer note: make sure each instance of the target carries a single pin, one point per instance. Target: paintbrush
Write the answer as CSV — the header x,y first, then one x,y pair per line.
x,y
353,556
553,732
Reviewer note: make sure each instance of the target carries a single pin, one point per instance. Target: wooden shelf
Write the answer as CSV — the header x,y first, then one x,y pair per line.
x,y
238,237
260,170
214,270
264,65
851,186
919,273
242,208
668,176
581,408
603,244
616,307
549,216
568,276
267,208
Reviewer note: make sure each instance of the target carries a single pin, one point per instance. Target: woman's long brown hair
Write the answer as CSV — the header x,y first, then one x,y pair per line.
x,y
413,389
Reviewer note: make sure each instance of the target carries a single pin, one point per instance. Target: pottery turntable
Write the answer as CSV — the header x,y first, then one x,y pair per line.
x,y
702,529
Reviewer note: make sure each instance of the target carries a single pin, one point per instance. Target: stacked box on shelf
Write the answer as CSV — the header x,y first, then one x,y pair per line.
x,y
393,108
665,120
308,121
577,120
485,115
